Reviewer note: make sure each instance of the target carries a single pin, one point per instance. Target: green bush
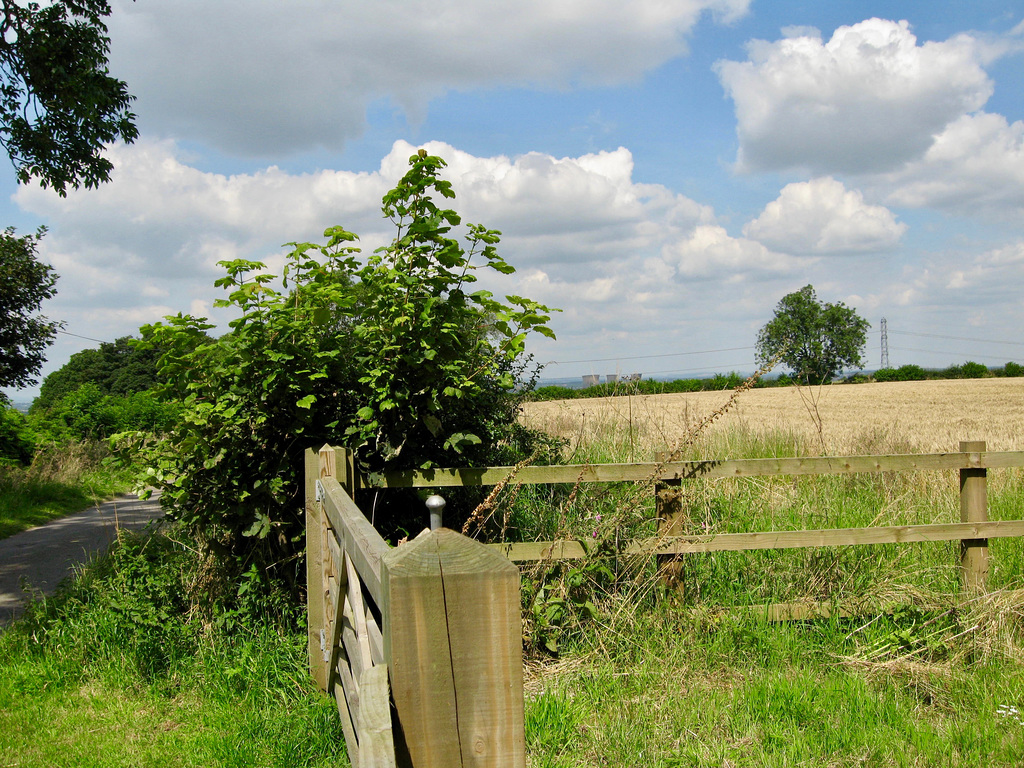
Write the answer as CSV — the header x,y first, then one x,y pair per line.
x,y
554,392
969,370
86,413
972,370
397,358
642,387
16,443
903,373
1011,369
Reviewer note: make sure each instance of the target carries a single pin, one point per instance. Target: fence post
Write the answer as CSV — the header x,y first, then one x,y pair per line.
x,y
314,572
453,646
327,467
974,509
669,512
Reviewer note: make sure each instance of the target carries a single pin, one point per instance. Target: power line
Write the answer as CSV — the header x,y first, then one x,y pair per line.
x,y
956,338
87,338
694,370
947,352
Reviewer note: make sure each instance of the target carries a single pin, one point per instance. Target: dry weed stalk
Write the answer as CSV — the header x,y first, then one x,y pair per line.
x,y
479,516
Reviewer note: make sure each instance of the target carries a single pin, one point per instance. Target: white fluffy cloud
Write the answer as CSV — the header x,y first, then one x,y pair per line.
x,y
585,236
821,216
148,242
271,77
709,252
976,165
867,100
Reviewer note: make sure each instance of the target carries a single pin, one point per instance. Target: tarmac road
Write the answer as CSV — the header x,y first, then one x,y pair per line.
x,y
42,557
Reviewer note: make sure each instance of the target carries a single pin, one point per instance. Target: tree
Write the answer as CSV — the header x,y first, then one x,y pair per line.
x,y
24,334
815,340
121,367
394,357
58,103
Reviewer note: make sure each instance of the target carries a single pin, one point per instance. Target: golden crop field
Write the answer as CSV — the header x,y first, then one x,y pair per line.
x,y
896,417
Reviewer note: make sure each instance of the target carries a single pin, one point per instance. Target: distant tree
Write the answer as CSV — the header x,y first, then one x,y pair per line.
x,y
1013,369
16,444
973,370
24,334
118,368
908,372
58,103
815,340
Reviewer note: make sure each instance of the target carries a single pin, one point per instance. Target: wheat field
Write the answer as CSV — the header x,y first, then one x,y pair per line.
x,y
893,417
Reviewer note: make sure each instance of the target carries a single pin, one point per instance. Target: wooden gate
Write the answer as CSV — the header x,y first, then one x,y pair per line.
x,y
420,645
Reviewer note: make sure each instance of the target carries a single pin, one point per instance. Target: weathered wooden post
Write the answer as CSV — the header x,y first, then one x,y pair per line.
x,y
669,510
314,572
453,646
974,509
328,467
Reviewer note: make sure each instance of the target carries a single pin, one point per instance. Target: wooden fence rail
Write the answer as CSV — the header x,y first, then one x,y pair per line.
x,y
420,645
974,530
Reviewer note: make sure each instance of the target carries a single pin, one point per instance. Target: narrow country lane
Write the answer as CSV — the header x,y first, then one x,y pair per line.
x,y
42,557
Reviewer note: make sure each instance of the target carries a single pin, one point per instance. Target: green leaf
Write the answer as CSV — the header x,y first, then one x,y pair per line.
x,y
432,423
306,402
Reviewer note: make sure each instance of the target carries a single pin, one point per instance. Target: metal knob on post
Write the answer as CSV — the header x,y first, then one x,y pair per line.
x,y
435,504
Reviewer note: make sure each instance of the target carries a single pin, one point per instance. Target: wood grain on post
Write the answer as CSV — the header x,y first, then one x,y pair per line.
x,y
326,469
362,542
418,656
669,512
328,462
314,572
974,509
351,473
453,646
376,743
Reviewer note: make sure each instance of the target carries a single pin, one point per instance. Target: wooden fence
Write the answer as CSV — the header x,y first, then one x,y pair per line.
x,y
974,530
420,645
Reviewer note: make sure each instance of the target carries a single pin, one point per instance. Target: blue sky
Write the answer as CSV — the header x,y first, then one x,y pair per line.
x,y
662,171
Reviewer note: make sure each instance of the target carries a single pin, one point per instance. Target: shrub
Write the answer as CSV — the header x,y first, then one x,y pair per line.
x,y
395,358
972,370
911,373
1013,369
903,373
16,443
554,393
87,413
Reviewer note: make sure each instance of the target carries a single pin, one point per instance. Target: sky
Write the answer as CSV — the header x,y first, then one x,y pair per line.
x,y
664,172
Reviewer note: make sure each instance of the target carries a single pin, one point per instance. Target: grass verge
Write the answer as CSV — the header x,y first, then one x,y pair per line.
x,y
58,483
699,688
122,668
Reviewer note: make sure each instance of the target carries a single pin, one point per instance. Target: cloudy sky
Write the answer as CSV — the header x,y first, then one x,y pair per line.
x,y
664,172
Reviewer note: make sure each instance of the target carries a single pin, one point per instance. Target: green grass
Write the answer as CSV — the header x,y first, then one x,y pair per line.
x,y
121,668
129,663
698,689
926,677
57,484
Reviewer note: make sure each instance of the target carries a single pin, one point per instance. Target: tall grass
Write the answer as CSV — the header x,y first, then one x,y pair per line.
x,y
920,674
59,481
128,665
